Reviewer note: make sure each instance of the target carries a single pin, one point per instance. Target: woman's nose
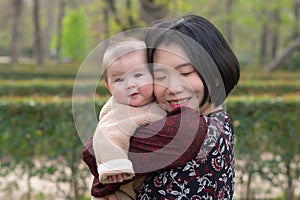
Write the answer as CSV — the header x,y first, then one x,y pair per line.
x,y
175,86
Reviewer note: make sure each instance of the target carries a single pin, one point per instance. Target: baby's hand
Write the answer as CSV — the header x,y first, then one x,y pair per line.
x,y
117,178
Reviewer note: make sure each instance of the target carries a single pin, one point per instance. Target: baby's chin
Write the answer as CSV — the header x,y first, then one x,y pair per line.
x,y
137,102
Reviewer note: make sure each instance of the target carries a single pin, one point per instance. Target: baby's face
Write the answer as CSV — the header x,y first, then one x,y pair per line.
x,y
129,79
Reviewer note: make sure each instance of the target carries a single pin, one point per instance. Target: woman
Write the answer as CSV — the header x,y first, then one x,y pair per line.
x,y
194,70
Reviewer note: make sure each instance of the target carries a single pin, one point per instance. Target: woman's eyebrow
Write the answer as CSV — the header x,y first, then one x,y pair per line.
x,y
163,68
183,65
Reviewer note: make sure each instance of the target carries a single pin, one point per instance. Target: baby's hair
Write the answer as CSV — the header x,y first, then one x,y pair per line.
x,y
119,46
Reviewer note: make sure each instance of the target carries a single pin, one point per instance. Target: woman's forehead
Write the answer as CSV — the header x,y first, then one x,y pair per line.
x,y
171,49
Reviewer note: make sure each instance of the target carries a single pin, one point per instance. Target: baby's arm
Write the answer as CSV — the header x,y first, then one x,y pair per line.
x,y
117,124
111,144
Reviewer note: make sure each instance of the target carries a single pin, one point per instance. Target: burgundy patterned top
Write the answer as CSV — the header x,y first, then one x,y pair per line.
x,y
187,156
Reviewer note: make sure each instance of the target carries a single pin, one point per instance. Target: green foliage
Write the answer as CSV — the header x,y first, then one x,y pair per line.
x,y
74,35
292,63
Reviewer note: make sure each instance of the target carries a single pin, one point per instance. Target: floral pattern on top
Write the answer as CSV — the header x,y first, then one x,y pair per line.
x,y
208,176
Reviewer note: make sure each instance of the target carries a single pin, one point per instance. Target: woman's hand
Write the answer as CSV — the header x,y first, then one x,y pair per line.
x,y
112,196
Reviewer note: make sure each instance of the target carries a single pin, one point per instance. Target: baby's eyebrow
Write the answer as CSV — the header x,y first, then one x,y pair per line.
x,y
117,74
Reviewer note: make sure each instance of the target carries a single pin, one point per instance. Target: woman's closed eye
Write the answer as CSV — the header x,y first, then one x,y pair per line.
x,y
159,76
186,70
187,73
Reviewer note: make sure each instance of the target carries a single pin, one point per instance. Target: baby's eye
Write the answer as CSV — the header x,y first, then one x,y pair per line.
x,y
138,75
119,79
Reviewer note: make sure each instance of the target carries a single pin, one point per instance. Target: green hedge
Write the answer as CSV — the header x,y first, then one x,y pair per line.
x,y
21,72
43,130
52,87
267,142
38,136
275,88
275,76
48,71
64,88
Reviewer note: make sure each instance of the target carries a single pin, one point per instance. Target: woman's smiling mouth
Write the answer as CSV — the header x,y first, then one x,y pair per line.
x,y
179,102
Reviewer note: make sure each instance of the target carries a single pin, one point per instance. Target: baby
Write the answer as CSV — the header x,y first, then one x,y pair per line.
x,y
132,105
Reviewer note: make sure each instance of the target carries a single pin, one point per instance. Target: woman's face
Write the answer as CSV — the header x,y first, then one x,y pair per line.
x,y
176,81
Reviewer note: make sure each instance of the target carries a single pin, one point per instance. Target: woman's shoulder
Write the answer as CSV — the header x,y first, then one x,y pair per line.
x,y
219,115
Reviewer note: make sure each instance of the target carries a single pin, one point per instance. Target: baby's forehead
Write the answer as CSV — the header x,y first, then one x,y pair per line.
x,y
120,48
131,62
133,58
136,55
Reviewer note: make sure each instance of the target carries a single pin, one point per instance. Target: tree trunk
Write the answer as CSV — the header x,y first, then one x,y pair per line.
x,y
130,20
263,43
106,26
297,19
48,31
289,194
175,7
275,31
38,39
248,187
283,55
18,7
228,25
62,5
112,7
150,11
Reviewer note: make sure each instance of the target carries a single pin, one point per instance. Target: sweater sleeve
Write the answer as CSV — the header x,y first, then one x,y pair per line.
x,y
171,142
117,124
165,145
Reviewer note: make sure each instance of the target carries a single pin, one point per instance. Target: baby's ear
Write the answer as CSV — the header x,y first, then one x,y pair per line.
x,y
107,87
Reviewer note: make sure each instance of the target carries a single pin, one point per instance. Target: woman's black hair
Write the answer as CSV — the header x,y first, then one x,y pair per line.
x,y
206,48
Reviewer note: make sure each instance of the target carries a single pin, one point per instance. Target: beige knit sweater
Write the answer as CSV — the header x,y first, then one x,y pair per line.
x,y
117,123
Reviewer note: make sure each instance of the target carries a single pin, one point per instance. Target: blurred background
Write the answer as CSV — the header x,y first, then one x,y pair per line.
x,y
44,42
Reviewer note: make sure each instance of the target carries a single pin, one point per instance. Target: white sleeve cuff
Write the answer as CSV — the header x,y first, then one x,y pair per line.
x,y
115,167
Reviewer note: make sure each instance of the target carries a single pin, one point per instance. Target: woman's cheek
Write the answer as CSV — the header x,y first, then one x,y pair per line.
x,y
158,91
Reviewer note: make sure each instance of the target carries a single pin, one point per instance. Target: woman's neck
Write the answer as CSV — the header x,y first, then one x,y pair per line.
x,y
208,108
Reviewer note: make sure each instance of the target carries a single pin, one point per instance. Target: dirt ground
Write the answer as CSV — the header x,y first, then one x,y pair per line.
x,y
46,190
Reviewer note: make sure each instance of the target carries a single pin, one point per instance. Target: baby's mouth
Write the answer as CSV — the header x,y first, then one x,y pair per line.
x,y
132,95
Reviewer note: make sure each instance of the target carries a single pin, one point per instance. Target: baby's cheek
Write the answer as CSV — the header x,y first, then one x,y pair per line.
x,y
148,87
